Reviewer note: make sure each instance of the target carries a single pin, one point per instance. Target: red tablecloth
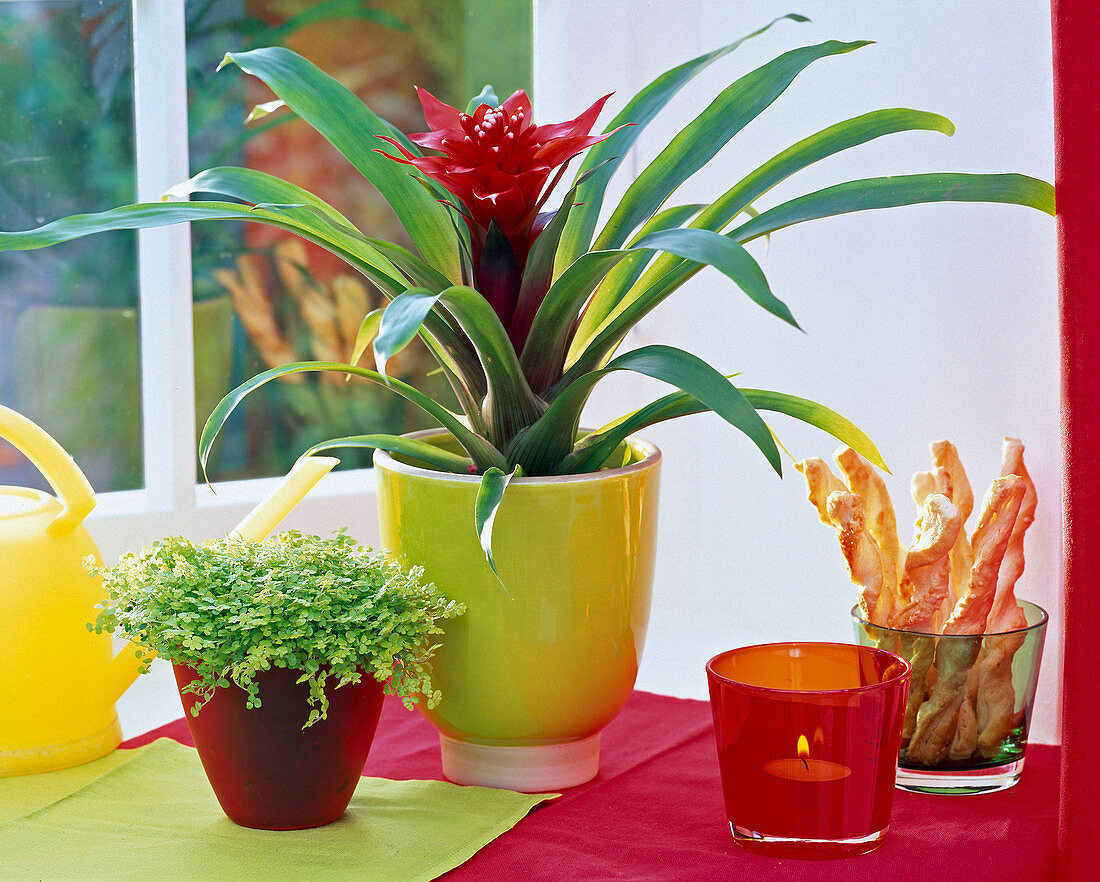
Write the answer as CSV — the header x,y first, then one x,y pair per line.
x,y
655,812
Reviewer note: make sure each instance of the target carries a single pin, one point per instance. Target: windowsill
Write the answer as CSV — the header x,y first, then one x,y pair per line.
x,y
227,494
334,484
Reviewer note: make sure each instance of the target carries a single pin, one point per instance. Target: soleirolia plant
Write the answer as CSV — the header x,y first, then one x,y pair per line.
x,y
525,308
231,608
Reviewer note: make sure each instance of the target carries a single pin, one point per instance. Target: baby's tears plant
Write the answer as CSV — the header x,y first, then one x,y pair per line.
x,y
230,608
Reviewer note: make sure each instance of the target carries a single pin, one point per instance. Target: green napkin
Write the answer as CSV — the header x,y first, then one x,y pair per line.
x,y
154,816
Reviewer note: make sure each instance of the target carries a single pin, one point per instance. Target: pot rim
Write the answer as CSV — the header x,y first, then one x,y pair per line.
x,y
1041,621
651,458
897,670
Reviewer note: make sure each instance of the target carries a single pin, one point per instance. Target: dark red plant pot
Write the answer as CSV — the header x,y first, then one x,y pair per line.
x,y
266,770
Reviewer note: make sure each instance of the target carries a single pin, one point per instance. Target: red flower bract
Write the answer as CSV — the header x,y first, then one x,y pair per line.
x,y
498,162
498,165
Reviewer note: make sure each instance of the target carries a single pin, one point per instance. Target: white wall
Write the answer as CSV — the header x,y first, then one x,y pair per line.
x,y
921,323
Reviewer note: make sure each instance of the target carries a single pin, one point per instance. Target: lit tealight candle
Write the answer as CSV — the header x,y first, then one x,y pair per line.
x,y
803,768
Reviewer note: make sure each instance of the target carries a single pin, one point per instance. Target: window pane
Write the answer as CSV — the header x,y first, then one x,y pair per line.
x,y
280,299
68,314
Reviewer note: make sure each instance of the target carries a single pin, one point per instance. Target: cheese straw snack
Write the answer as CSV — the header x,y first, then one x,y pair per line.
x,y
961,699
949,703
925,584
994,704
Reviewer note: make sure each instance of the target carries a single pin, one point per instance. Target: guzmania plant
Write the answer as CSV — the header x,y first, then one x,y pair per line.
x,y
230,608
525,308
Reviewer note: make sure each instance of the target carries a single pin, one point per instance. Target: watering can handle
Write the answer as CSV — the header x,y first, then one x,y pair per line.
x,y
72,488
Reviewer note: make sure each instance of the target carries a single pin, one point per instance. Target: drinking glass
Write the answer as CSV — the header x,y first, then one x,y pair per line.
x,y
969,706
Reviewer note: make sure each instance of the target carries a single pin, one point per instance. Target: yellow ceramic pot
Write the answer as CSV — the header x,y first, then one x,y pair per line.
x,y
537,667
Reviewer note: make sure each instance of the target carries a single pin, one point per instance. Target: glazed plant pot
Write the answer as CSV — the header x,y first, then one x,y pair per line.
x,y
540,664
266,770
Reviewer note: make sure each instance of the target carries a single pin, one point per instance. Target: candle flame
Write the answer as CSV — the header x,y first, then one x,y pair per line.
x,y
803,747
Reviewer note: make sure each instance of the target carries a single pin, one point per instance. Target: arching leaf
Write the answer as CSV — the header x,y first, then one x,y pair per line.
x,y
421,450
876,193
604,159
490,493
701,139
352,128
726,255
354,251
738,199
483,454
594,449
545,444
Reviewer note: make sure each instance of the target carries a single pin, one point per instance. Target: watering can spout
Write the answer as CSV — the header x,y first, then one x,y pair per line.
x,y
307,471
124,668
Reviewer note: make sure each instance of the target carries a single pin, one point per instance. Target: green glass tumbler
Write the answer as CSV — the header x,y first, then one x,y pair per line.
x,y
970,703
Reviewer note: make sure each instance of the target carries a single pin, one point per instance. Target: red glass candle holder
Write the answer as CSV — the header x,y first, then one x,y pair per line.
x,y
808,737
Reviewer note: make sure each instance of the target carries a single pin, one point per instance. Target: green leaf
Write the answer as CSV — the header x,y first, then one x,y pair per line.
x,y
368,328
537,272
818,415
862,195
353,129
545,444
668,219
421,450
698,142
594,448
550,336
609,154
828,142
623,276
875,193
384,263
654,286
257,187
706,247
509,402
490,493
483,454
487,96
421,273
552,330
450,347
262,110
400,324
597,446
159,214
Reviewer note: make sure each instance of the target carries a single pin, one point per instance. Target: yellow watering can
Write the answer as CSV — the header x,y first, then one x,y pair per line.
x,y
58,681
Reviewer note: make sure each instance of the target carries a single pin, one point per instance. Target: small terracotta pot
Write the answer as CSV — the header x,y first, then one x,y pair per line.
x,y
266,770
